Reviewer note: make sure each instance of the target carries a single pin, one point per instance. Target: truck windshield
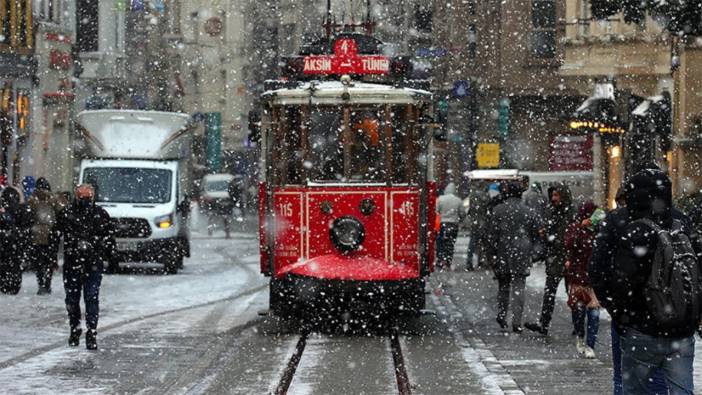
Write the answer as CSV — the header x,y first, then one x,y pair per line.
x,y
129,185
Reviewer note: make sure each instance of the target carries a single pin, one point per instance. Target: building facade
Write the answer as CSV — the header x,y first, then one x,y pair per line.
x,y
635,61
497,68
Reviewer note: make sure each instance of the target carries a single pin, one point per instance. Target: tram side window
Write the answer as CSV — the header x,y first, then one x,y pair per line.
x,y
294,147
326,150
367,154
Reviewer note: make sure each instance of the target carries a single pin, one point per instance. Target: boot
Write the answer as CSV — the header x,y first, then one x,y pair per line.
x,y
91,339
534,327
74,337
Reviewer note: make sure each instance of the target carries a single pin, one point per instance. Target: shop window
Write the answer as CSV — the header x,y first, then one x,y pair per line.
x,y
87,25
22,113
16,23
542,38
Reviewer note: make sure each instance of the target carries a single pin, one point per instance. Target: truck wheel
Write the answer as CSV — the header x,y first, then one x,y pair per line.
x,y
171,262
112,267
10,280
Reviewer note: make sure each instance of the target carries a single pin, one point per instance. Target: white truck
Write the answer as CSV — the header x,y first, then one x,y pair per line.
x,y
138,162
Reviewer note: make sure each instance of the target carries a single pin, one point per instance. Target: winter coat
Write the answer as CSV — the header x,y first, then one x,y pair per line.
x,y
14,231
511,234
44,216
81,225
578,243
477,212
558,219
449,206
618,271
536,201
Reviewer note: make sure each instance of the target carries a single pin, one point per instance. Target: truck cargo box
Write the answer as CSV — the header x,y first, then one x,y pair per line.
x,y
132,134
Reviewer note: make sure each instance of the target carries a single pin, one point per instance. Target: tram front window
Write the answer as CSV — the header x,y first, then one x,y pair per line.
x,y
367,153
326,149
338,154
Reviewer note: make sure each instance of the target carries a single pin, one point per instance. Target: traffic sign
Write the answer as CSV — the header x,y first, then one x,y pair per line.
x,y
488,155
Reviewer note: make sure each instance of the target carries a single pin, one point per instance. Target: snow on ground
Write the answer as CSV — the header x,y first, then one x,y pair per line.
x,y
217,269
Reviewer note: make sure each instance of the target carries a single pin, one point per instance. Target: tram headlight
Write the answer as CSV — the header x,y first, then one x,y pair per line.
x,y
347,234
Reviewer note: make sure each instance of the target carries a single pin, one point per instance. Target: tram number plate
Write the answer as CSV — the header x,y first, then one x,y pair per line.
x,y
127,246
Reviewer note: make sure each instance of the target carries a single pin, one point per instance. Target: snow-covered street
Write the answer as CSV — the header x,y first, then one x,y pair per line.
x,y
202,331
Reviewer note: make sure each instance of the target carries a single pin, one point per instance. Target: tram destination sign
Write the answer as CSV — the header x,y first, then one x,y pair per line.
x,y
346,60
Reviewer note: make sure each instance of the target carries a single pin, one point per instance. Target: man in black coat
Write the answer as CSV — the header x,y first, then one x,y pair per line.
x,y
14,231
88,244
621,264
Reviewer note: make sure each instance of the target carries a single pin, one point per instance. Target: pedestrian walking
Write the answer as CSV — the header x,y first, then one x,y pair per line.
x,y
512,232
449,208
582,301
44,240
627,270
534,197
89,244
560,215
477,215
14,230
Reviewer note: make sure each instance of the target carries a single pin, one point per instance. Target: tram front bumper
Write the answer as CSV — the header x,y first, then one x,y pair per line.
x,y
351,268
320,295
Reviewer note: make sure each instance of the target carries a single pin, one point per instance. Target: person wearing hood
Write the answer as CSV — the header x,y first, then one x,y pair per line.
x,y
512,233
14,227
89,244
582,301
44,240
620,266
449,207
560,214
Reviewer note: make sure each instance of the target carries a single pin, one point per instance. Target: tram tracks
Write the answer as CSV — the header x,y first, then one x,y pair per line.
x,y
291,370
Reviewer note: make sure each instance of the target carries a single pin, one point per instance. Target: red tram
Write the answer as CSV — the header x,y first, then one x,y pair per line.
x,y
346,187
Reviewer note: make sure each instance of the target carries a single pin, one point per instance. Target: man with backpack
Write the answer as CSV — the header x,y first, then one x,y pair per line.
x,y
645,271
44,243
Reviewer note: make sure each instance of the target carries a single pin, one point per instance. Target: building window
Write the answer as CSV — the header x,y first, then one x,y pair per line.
x,y
87,25
472,7
16,23
542,39
472,40
48,10
423,18
584,18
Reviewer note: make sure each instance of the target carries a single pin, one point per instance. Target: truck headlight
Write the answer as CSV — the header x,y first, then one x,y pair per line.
x,y
164,222
347,234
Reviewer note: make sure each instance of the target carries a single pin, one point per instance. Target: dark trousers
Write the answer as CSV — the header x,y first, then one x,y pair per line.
x,y
446,242
580,314
549,301
656,385
44,257
516,285
77,280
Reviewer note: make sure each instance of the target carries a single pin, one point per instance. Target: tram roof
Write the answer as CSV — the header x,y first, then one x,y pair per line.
x,y
330,93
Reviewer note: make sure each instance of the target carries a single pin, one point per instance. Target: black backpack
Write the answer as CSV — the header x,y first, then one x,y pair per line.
x,y
673,290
